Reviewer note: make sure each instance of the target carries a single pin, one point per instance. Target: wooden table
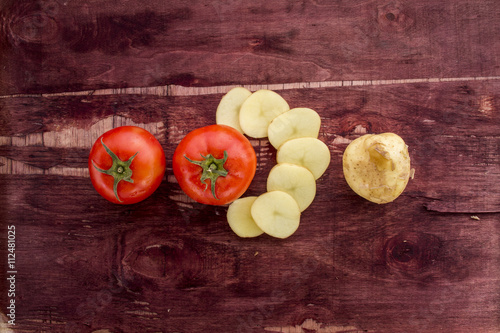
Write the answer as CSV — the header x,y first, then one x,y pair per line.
x,y
427,70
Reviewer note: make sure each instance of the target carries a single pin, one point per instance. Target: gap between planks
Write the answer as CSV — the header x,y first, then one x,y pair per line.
x,y
176,90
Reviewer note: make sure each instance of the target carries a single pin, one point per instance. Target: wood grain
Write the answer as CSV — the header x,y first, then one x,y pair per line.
x,y
426,70
420,264
54,46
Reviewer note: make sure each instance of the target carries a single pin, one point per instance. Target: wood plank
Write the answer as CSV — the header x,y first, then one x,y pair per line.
x,y
455,119
420,264
360,268
51,46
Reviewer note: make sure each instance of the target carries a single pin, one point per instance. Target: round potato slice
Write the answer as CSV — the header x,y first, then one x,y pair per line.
x,y
296,123
258,110
276,213
377,167
240,219
228,110
294,180
311,153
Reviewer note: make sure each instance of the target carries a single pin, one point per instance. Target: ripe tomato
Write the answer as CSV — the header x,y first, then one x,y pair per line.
x,y
216,157
126,164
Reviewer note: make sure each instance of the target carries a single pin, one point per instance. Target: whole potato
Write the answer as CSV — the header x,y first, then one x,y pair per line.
x,y
377,166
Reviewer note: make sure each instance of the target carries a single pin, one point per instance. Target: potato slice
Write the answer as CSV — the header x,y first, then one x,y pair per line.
x,y
258,110
294,180
228,111
296,123
377,167
276,213
240,219
310,153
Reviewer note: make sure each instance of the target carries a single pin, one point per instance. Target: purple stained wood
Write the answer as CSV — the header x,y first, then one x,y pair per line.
x,y
428,262
55,46
420,264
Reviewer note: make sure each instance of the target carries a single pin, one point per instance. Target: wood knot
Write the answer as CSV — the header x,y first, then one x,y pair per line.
x,y
255,42
411,251
393,17
182,263
171,261
34,25
352,126
275,43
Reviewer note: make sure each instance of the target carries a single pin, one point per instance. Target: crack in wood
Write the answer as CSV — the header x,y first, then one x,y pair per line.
x,y
66,138
458,208
178,90
310,325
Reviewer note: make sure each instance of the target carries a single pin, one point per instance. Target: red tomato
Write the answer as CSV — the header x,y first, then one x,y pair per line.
x,y
126,164
214,164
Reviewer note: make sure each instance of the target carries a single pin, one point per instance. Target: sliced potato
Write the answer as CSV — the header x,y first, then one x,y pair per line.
x,y
310,153
276,213
294,180
258,110
240,219
228,111
296,123
377,167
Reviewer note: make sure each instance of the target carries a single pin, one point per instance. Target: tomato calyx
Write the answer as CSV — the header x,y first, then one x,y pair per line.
x,y
213,168
119,170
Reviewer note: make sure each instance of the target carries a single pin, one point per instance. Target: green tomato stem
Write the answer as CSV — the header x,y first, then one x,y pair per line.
x,y
212,168
119,170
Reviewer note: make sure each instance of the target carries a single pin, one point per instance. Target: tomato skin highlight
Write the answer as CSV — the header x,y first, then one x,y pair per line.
x,y
214,140
148,166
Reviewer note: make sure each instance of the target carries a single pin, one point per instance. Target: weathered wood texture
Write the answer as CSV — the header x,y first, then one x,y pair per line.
x,y
429,262
420,264
54,45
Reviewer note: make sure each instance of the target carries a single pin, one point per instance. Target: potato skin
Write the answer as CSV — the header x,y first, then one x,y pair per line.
x,y
377,166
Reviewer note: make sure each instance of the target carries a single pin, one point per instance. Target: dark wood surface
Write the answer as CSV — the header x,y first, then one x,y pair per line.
x,y
427,70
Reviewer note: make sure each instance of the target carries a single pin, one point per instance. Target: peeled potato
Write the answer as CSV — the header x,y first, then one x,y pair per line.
x,y
377,167
311,153
276,213
296,123
294,180
240,219
228,111
258,110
